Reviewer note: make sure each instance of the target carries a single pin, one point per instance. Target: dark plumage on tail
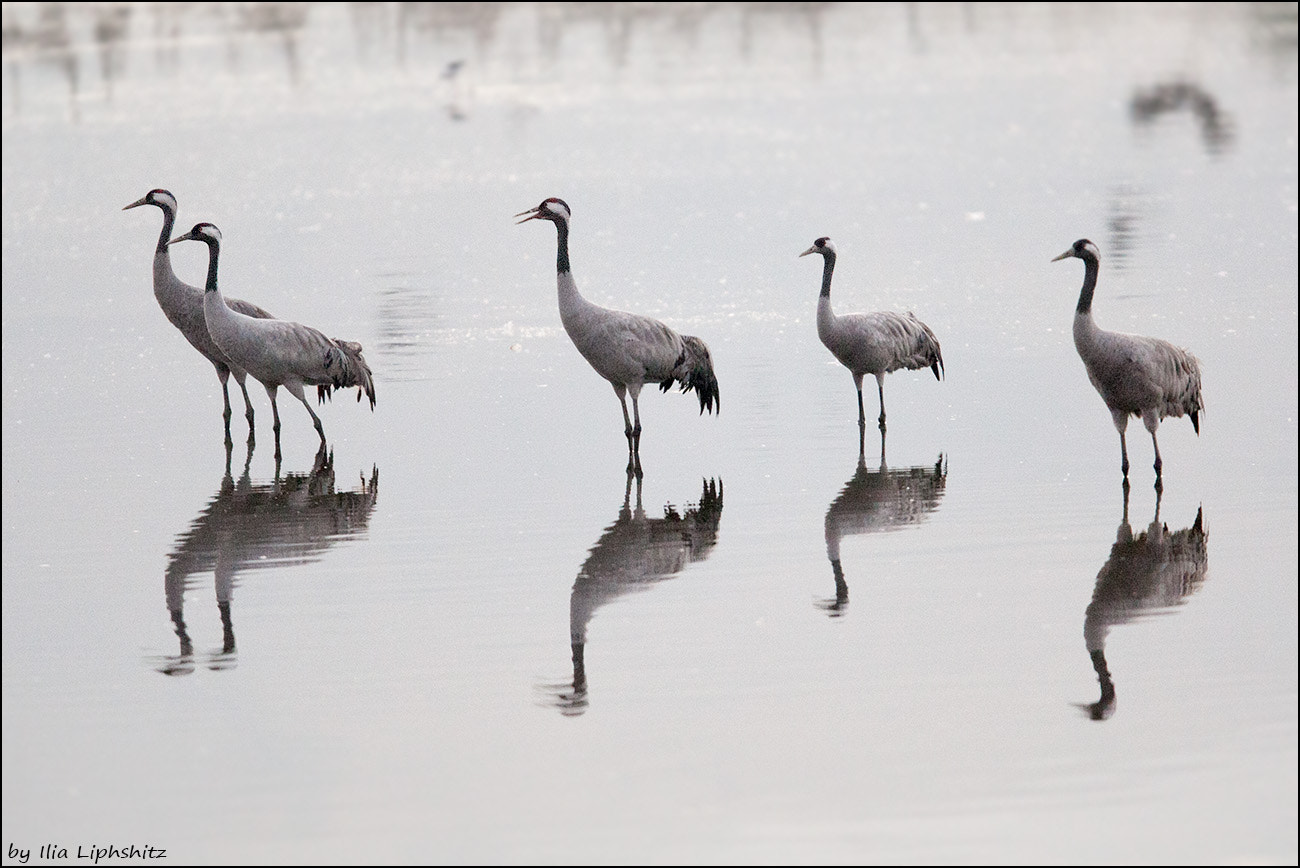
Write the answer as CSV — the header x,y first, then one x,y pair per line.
x,y
694,370
346,368
929,346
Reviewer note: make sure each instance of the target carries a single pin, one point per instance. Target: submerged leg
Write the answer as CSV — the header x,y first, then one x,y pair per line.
x,y
240,377
636,427
1121,424
275,415
295,389
880,386
621,391
223,374
1152,422
862,417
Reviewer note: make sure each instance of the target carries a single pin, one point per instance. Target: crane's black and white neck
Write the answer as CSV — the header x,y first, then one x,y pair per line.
x,y
627,349
1134,374
183,306
824,247
165,202
871,343
1091,256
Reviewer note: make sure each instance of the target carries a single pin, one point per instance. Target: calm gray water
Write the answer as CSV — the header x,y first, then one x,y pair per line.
x,y
462,634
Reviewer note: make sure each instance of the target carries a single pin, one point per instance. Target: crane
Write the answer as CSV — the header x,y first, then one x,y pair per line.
x,y
872,343
183,305
278,352
627,349
1135,375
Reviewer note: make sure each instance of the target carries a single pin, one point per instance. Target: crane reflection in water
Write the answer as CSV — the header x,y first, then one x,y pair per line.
x,y
633,553
873,501
1148,574
289,521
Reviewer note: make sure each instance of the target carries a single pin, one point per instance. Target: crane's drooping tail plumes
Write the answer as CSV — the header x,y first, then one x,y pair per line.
x,y
926,353
695,371
347,368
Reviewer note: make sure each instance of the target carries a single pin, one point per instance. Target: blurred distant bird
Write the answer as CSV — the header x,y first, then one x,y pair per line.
x,y
452,69
1135,375
627,349
872,343
183,305
277,352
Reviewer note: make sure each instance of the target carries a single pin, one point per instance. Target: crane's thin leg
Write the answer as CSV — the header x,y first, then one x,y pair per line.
x,y
862,417
295,389
1121,424
1126,491
240,377
223,374
1152,422
880,385
640,510
636,429
621,391
275,414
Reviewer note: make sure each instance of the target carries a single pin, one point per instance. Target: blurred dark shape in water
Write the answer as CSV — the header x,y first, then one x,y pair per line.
x,y
1123,216
1149,574
289,521
1151,104
634,553
874,501
112,23
47,40
287,21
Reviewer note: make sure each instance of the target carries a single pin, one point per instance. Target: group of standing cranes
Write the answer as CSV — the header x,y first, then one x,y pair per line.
x,y
1135,375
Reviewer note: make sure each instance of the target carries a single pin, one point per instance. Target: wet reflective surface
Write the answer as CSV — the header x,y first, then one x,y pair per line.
x,y
360,678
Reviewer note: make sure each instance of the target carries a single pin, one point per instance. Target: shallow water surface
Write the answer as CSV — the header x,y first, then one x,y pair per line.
x,y
967,643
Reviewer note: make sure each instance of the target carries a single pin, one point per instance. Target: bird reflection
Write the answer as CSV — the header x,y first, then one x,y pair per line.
x,y
634,553
1150,104
1145,575
878,500
289,521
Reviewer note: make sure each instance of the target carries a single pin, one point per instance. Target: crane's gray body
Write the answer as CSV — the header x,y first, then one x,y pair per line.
x,y
278,352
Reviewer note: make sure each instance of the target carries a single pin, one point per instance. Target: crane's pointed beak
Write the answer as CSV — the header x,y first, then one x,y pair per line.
x,y
809,250
533,214
1064,255
136,204
186,237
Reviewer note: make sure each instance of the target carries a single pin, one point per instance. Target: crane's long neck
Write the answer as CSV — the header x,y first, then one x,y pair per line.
x,y
572,304
1090,268
1085,327
825,316
163,273
214,251
562,246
